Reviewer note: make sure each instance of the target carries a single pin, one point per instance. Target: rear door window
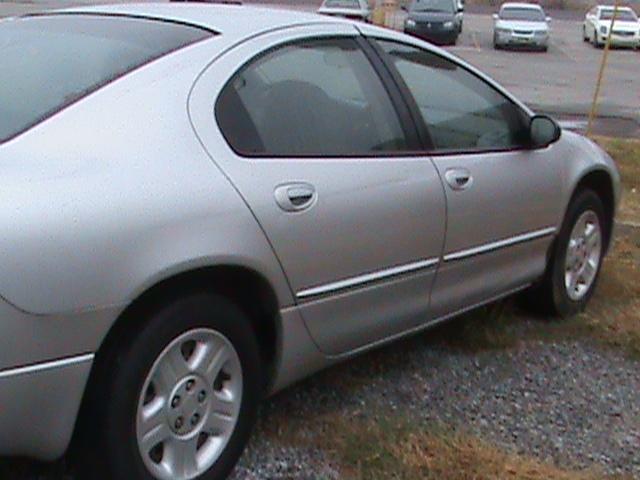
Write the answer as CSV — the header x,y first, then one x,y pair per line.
x,y
48,62
310,98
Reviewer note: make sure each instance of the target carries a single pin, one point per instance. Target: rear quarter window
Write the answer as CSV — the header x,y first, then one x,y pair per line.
x,y
48,62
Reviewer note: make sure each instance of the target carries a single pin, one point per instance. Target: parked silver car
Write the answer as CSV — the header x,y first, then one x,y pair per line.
x,y
204,204
352,9
521,25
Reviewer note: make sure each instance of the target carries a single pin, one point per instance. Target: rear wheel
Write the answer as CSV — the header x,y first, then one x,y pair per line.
x,y
575,260
180,396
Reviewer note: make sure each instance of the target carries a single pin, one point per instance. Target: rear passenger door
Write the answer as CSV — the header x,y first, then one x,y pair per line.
x,y
310,137
502,197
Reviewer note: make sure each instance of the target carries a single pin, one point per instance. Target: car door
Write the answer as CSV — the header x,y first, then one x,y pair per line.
x,y
309,136
502,198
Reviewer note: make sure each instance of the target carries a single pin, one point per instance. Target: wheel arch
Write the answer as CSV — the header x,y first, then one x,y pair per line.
x,y
599,181
248,289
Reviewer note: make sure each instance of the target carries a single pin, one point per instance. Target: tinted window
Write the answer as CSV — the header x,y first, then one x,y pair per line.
x,y
342,4
624,15
48,62
461,111
316,98
525,14
432,6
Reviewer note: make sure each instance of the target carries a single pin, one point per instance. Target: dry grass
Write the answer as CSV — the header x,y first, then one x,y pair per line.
x,y
395,448
613,315
626,153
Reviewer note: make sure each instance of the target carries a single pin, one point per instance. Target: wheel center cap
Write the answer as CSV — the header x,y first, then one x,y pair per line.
x,y
188,405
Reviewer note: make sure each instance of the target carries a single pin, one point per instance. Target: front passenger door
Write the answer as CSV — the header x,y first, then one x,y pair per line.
x,y
502,198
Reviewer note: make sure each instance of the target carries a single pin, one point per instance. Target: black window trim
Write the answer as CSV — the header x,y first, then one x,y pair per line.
x,y
422,126
112,79
398,101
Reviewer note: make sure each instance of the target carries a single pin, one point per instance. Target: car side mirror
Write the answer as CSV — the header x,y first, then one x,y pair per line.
x,y
548,19
461,10
495,16
543,131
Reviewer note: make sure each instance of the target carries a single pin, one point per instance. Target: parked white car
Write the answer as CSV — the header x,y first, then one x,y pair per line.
x,y
353,9
626,28
521,24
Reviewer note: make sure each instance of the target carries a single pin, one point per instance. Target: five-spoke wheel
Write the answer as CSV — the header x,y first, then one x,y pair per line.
x,y
189,405
575,258
583,255
177,393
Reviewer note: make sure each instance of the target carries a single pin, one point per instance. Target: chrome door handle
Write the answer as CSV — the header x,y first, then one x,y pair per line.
x,y
458,178
295,197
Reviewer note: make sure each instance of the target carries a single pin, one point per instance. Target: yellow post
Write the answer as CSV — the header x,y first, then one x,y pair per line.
x,y
607,46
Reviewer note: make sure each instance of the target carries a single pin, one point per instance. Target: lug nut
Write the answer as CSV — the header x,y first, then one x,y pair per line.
x,y
202,396
179,423
175,401
190,385
195,419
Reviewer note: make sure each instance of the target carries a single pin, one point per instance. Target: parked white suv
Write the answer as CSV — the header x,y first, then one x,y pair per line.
x,y
626,28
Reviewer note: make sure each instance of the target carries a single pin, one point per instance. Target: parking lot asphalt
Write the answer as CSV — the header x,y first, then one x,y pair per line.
x,y
560,81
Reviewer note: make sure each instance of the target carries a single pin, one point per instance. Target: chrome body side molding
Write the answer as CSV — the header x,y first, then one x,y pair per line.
x,y
51,365
367,278
507,242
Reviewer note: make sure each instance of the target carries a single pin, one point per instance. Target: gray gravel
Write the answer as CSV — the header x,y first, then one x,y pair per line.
x,y
575,404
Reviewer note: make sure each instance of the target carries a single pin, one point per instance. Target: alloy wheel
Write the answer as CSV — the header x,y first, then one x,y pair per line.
x,y
584,251
189,405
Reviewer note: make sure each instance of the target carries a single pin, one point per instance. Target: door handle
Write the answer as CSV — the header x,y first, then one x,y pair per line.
x,y
458,178
295,197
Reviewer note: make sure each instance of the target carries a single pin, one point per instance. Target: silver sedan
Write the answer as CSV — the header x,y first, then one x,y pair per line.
x,y
521,25
204,204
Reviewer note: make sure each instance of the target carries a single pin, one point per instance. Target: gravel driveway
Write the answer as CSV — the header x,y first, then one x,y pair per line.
x,y
574,404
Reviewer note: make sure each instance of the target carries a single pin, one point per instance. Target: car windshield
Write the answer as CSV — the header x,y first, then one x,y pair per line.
x,y
51,61
432,6
342,4
624,15
524,14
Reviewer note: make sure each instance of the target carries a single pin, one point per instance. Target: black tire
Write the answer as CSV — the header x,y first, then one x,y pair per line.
x,y
584,34
596,43
115,454
550,296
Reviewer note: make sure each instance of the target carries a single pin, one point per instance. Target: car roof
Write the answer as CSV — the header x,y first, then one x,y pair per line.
x,y
240,20
532,6
611,7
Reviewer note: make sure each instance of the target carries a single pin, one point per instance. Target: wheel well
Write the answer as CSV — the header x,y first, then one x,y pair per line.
x,y
247,289
600,182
